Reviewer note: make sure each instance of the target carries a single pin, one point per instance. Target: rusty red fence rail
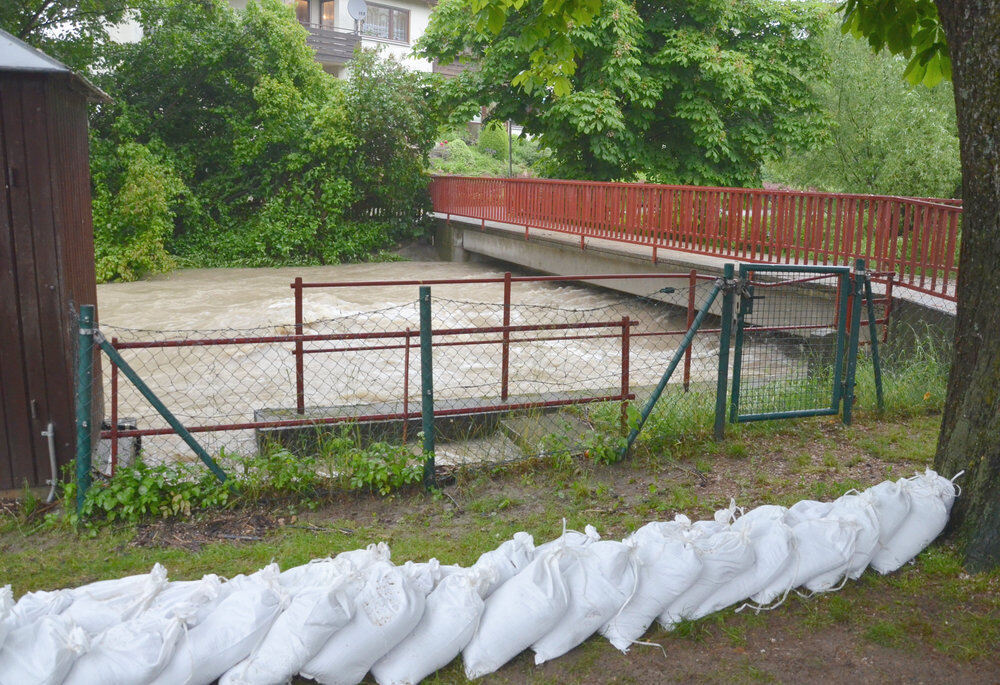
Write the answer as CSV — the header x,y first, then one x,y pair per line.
x,y
917,239
504,334
505,329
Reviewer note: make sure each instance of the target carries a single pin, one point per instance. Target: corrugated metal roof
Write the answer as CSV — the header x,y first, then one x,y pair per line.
x,y
18,56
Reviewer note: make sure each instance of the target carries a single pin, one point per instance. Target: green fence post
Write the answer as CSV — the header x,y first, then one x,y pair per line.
x,y
857,280
745,301
84,401
873,338
427,384
722,381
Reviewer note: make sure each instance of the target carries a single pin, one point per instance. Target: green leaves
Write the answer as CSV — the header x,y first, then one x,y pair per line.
x,y
382,468
72,31
910,28
697,91
254,155
884,136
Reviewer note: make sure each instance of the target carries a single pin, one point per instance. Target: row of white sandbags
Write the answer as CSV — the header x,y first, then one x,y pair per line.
x,y
331,619
335,620
682,570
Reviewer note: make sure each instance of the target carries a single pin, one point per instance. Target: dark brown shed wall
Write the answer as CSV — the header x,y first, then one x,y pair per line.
x,y
46,257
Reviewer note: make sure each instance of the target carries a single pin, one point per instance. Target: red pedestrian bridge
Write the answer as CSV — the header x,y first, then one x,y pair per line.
x,y
910,243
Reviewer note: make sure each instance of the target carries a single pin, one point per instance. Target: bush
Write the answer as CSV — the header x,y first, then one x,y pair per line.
x,y
135,193
261,157
493,140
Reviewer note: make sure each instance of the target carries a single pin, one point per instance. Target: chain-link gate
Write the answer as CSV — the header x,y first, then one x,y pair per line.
x,y
798,329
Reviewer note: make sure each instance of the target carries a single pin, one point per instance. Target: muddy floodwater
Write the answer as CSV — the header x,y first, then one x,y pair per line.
x,y
230,384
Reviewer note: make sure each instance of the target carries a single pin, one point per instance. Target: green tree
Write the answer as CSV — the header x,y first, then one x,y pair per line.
x,y
280,162
885,137
394,115
695,91
72,31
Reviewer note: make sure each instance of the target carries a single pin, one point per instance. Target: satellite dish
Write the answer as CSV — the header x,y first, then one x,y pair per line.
x,y
358,9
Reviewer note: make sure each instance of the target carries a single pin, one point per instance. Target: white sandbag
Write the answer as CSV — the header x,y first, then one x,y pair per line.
x,y
34,605
805,510
229,633
569,538
766,512
6,612
824,548
517,614
106,603
424,575
782,558
724,555
600,578
859,510
931,497
667,565
450,619
773,550
41,653
313,615
388,609
189,600
891,503
131,652
325,571
506,560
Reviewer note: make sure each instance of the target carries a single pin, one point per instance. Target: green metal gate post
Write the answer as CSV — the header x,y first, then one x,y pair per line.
x,y
722,379
845,290
857,288
873,338
746,300
84,401
427,384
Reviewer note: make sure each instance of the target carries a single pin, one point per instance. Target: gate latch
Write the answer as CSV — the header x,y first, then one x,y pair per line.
x,y
746,299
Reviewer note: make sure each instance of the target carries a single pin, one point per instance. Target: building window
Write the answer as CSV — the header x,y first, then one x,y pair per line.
x,y
387,22
328,13
302,11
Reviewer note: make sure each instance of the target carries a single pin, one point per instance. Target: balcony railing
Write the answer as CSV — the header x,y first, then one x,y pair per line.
x,y
332,45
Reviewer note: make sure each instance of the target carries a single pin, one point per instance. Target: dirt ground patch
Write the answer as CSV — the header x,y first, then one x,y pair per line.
x,y
242,525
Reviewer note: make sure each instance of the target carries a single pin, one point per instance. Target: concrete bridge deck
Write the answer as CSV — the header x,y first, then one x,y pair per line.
x,y
554,252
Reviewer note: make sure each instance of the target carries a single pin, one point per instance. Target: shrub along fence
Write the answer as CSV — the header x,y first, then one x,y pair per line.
x,y
511,378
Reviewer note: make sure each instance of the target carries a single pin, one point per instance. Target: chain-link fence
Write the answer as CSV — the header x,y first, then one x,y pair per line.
x,y
511,379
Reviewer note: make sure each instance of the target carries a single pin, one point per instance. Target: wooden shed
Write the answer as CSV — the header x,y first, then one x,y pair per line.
x,y
46,256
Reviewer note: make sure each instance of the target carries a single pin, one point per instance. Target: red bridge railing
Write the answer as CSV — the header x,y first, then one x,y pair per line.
x,y
915,238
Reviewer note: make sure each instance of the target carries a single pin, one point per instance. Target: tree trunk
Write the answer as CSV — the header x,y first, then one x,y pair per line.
x,y
970,430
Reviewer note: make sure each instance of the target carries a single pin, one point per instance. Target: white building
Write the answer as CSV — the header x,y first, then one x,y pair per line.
x,y
391,25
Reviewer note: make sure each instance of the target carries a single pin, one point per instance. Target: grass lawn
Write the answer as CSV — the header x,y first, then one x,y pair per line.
x,y
929,622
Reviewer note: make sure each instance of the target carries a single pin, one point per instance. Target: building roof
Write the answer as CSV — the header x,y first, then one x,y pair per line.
x,y
18,56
